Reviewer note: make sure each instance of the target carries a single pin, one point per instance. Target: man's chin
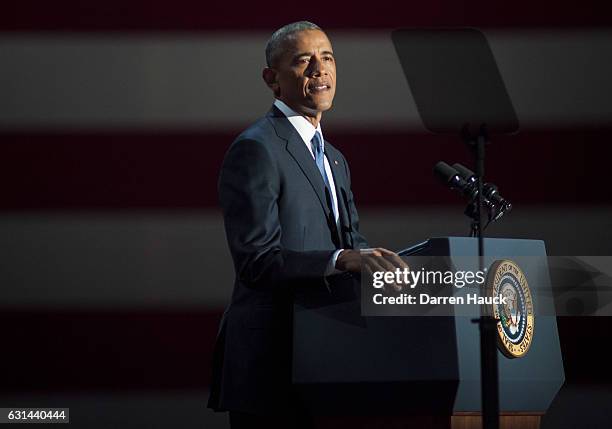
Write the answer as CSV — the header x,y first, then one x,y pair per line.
x,y
310,107
321,106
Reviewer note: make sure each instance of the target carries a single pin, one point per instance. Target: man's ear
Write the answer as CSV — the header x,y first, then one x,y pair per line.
x,y
270,76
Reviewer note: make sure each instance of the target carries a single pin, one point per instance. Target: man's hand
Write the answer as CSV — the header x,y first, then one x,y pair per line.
x,y
377,259
371,260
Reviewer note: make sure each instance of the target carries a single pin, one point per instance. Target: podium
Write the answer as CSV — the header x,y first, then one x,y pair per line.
x,y
421,370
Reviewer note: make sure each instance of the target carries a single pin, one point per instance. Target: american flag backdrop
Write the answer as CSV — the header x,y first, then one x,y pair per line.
x,y
115,116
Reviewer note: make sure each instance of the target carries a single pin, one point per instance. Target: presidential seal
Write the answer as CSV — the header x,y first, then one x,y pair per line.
x,y
514,311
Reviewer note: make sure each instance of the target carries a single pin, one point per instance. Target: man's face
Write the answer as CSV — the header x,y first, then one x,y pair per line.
x,y
304,76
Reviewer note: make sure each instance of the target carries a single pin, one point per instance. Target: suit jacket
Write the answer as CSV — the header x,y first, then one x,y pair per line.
x,y
282,235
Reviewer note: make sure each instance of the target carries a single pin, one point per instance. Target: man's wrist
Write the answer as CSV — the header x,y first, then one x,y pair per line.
x,y
331,267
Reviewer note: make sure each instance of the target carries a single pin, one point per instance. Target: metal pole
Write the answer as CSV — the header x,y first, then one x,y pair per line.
x,y
488,350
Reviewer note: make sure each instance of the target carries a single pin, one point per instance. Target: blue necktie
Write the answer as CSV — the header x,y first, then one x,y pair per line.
x,y
317,148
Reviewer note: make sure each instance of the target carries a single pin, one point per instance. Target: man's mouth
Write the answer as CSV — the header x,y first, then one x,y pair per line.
x,y
318,88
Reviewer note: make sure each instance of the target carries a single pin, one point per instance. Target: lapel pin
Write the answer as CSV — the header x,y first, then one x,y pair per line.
x,y
335,162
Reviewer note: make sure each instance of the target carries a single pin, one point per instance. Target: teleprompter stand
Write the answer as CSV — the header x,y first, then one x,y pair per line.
x,y
458,89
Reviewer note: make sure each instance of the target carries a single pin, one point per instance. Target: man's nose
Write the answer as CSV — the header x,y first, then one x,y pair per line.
x,y
316,67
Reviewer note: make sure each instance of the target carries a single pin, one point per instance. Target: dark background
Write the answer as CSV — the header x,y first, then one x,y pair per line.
x,y
113,267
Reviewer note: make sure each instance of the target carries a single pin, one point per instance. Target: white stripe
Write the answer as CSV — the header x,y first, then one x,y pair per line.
x,y
213,81
180,260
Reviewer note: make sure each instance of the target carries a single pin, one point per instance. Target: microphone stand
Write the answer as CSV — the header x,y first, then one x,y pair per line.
x,y
489,380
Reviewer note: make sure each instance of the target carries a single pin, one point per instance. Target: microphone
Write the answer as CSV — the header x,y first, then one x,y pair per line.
x,y
495,203
502,205
465,172
463,180
452,178
489,190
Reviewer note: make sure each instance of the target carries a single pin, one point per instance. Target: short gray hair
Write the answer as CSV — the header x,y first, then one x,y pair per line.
x,y
282,34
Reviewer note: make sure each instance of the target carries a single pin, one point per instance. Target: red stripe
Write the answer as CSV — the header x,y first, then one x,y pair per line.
x,y
108,350
196,15
125,171
70,350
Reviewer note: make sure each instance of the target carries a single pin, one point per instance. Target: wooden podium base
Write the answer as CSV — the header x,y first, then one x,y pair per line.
x,y
382,422
515,420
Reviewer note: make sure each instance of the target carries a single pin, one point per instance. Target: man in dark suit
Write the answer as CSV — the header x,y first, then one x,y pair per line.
x,y
291,222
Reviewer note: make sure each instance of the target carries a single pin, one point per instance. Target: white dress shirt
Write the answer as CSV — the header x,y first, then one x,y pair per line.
x,y
307,131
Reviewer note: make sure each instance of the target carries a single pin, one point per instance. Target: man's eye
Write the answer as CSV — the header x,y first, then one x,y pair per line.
x,y
328,58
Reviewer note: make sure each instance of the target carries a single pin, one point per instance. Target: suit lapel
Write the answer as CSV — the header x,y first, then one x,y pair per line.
x,y
300,153
337,168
